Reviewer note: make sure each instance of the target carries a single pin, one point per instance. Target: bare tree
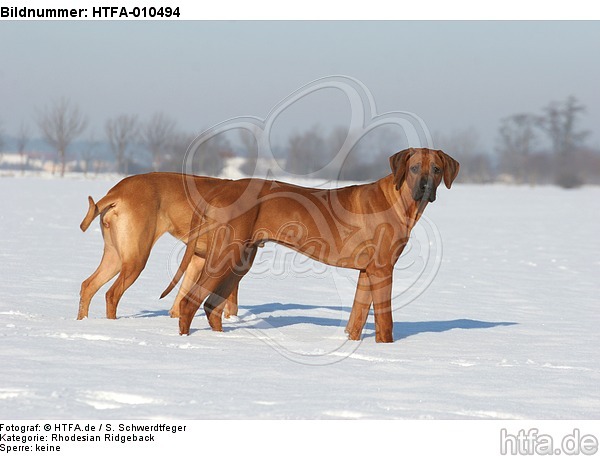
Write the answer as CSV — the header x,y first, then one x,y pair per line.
x,y
465,146
378,146
121,132
208,158
22,140
250,145
174,152
88,154
60,125
333,146
359,162
560,124
306,152
516,142
157,135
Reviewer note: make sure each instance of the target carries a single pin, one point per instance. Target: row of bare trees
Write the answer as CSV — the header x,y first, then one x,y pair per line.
x,y
131,141
548,147
311,152
531,148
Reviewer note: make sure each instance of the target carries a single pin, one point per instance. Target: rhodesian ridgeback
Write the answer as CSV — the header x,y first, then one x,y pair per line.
x,y
363,227
134,214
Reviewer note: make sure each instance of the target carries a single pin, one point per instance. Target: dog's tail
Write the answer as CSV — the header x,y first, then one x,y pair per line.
x,y
189,251
92,213
94,210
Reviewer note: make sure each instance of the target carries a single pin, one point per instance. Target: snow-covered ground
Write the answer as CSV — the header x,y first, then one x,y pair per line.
x,y
506,328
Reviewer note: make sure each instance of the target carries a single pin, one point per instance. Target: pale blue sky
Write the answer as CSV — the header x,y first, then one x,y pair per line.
x,y
454,75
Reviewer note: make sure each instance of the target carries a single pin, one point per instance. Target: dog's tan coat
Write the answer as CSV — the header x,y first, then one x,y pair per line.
x,y
364,227
134,214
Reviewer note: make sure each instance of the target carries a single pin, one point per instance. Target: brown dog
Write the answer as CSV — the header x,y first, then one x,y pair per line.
x,y
134,214
362,227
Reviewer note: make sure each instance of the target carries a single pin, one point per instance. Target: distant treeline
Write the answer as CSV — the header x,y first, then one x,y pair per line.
x,y
531,148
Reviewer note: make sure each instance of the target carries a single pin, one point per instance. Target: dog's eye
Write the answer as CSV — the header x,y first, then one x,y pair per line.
x,y
414,168
437,170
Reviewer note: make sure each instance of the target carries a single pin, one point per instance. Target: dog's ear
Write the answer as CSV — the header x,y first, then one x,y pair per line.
x,y
398,164
451,168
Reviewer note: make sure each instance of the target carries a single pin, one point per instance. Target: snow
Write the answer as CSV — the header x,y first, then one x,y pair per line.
x,y
500,320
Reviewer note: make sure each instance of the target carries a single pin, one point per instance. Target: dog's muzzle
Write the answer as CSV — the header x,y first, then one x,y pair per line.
x,y
424,190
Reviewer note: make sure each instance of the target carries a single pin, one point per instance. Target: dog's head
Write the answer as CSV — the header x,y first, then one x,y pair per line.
x,y
422,170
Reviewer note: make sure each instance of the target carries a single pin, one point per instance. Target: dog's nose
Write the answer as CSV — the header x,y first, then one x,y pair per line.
x,y
427,188
426,184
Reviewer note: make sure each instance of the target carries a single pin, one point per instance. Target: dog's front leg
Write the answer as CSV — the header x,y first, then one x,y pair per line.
x,y
381,291
360,307
231,303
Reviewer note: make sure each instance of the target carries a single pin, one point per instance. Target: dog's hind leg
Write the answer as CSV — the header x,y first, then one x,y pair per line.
x,y
211,289
215,304
225,295
129,273
190,304
192,274
231,303
360,307
133,236
108,268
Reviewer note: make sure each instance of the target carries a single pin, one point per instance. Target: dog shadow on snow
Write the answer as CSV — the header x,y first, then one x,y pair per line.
x,y
261,316
402,329
279,315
